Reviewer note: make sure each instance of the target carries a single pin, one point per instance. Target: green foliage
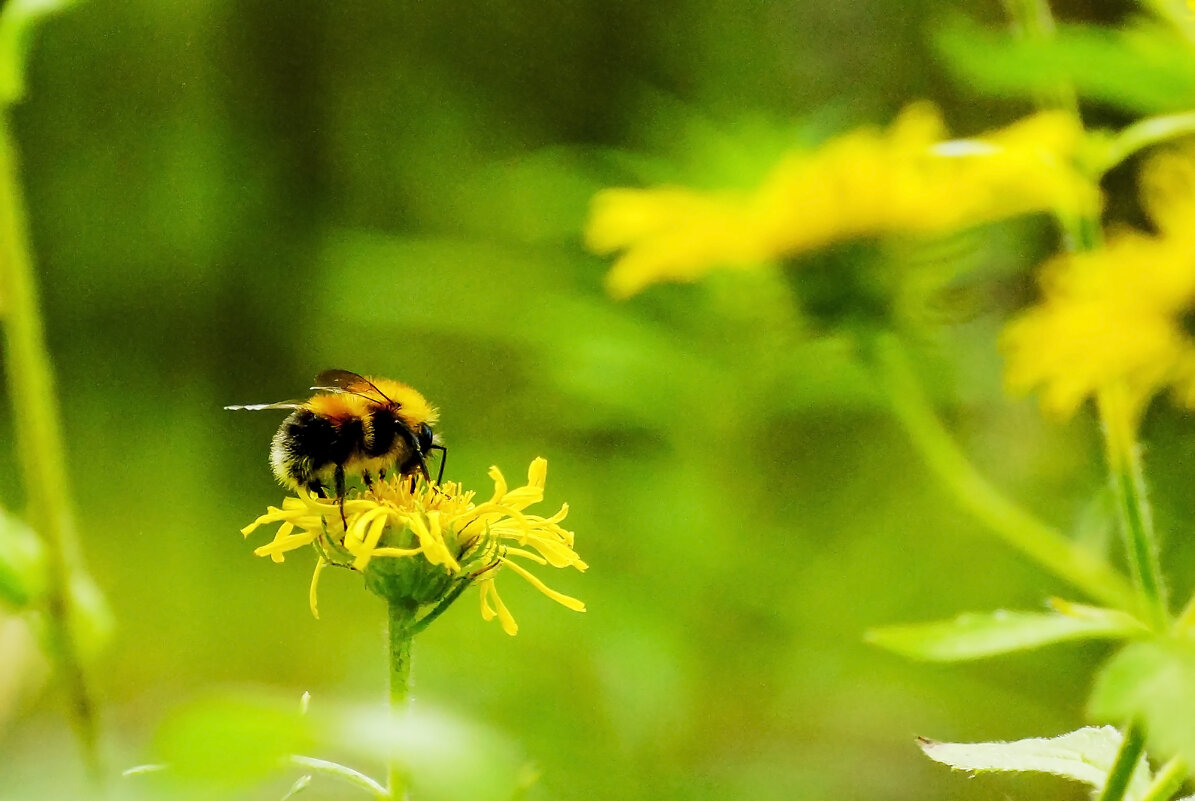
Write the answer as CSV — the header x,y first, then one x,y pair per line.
x,y
228,198
444,757
221,743
1142,69
18,21
230,743
1153,682
977,636
1086,755
22,564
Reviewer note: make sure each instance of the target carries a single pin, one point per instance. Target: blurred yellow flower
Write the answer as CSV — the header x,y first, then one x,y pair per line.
x,y
423,544
907,179
1113,323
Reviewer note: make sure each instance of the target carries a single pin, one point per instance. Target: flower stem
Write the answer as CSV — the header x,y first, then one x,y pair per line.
x,y
1118,413
401,618
1015,525
1168,781
1131,749
1035,22
40,449
1136,521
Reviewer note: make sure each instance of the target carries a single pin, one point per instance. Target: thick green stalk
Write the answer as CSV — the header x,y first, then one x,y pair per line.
x,y
1131,749
1015,525
40,446
401,618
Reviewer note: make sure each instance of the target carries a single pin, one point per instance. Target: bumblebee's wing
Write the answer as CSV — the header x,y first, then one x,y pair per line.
x,y
257,407
350,382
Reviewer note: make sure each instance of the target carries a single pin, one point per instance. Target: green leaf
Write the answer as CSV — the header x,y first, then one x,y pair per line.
x,y
975,636
226,742
1154,682
18,18
22,564
445,758
1085,755
1142,69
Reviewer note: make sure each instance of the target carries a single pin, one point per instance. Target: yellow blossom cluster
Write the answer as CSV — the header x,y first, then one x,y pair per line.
x,y
907,179
1116,319
426,542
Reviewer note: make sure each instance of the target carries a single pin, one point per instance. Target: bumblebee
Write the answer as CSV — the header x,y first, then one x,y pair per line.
x,y
352,425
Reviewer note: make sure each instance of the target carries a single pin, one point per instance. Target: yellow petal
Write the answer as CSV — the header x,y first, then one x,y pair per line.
x,y
558,597
311,593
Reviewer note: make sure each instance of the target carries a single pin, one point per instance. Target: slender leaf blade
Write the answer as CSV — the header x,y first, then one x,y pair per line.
x,y
980,635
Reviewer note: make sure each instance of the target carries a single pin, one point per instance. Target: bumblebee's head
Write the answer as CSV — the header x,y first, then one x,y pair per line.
x,y
425,437
428,442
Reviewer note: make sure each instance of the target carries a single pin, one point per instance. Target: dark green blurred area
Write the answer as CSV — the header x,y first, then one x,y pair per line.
x,y
227,198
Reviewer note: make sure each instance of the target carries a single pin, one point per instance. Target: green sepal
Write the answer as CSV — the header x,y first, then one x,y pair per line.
x,y
980,635
409,581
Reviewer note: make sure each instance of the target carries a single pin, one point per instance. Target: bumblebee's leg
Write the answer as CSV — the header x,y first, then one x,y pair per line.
x,y
443,461
338,479
316,487
381,474
415,476
367,479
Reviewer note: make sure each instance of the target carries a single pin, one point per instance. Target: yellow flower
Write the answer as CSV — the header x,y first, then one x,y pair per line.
x,y
423,545
1112,323
907,179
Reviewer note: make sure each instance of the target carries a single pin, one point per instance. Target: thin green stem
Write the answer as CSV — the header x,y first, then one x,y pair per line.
x,y
1035,22
1127,758
1168,781
1142,134
40,448
401,619
1136,523
1015,525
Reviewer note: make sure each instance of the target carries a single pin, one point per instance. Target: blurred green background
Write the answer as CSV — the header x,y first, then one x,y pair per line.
x,y
227,198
